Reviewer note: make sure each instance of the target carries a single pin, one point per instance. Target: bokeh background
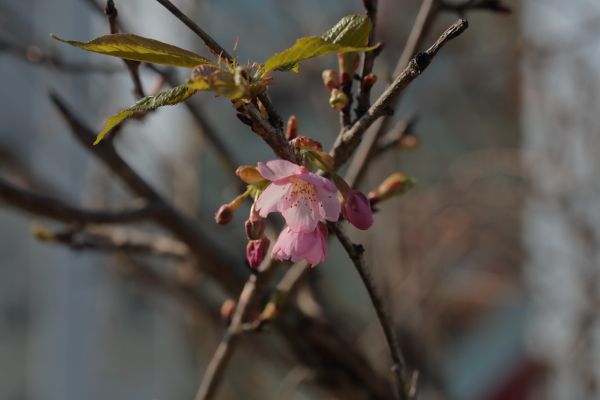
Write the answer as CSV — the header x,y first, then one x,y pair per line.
x,y
489,265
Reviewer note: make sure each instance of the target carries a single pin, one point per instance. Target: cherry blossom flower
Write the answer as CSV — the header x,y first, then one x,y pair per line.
x,y
303,198
296,246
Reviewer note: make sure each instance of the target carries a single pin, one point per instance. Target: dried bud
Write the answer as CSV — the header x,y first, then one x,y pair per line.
x,y
408,142
306,143
227,309
224,214
348,63
357,210
249,174
292,128
369,80
394,185
330,79
338,99
256,251
254,226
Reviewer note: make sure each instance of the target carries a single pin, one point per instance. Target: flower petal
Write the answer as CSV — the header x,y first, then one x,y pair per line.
x,y
275,170
301,210
270,198
329,205
318,181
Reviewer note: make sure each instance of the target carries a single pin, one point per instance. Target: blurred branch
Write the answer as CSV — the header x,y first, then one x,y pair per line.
x,y
113,239
253,289
355,252
34,55
349,140
55,209
132,66
474,5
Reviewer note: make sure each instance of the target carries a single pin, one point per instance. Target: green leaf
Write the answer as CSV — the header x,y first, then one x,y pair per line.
x,y
167,98
350,34
137,48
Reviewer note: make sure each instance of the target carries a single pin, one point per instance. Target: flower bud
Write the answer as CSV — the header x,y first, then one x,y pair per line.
x,y
369,80
256,251
254,226
348,63
249,174
357,210
408,142
227,309
330,79
269,312
292,128
393,185
338,99
224,214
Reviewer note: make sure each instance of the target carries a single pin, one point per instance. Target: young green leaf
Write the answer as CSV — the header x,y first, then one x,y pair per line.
x,y
167,98
137,48
350,34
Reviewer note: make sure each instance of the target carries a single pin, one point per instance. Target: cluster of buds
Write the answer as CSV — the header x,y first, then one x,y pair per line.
x,y
337,84
394,185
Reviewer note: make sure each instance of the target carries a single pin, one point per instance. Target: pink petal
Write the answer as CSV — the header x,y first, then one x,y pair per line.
x,y
329,205
318,181
301,212
276,170
270,198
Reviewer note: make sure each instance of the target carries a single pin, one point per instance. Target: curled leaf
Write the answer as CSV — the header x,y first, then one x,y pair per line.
x,y
167,98
137,48
350,34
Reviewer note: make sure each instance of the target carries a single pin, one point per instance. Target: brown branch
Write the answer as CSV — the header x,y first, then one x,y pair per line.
x,y
355,252
132,66
55,209
347,142
363,99
212,45
114,239
218,265
392,139
275,119
253,289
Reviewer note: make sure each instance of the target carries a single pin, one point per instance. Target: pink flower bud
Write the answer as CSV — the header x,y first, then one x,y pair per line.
x,y
393,185
227,309
254,226
348,63
369,80
256,251
224,214
306,143
357,210
292,128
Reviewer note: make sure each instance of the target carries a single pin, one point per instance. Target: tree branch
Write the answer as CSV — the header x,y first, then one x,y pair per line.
x,y
355,253
115,239
55,209
363,98
347,141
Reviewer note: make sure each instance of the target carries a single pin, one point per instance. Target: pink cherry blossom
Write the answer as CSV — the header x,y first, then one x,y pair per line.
x,y
357,210
303,198
296,246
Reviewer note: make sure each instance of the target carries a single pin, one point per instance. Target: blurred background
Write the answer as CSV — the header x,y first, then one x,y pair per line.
x,y
489,265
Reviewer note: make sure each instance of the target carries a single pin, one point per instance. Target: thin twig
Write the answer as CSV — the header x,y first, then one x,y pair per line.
x,y
132,66
212,45
420,27
347,142
115,239
252,290
363,99
355,252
